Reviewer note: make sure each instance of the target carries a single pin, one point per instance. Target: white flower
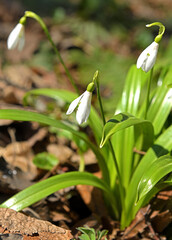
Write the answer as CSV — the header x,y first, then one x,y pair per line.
x,y
147,58
16,37
84,105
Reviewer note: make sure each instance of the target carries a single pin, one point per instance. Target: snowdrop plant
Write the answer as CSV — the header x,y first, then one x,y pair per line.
x,y
16,38
133,148
90,234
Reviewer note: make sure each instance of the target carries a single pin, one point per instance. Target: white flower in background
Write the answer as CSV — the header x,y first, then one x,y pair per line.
x,y
16,38
147,58
83,103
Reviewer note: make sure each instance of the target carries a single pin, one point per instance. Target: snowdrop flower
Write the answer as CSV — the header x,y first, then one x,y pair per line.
x,y
147,58
83,105
16,37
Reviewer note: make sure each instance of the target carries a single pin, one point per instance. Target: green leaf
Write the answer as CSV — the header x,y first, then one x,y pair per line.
x,y
22,115
87,232
101,234
161,104
129,102
79,142
57,94
84,237
162,184
122,121
45,160
162,146
67,96
157,170
169,85
124,139
42,189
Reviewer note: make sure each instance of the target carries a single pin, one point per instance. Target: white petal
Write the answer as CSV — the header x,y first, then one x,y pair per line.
x,y
15,35
21,42
73,105
84,108
147,58
141,59
152,58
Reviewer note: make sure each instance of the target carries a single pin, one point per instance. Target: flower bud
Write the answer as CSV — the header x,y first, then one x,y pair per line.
x,y
83,103
16,37
147,58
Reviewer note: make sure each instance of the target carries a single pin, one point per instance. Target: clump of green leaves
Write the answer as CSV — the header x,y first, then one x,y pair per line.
x,y
90,234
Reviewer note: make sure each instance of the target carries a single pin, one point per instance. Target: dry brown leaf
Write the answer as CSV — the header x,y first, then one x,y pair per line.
x,y
161,221
12,180
92,197
63,153
137,226
15,222
161,216
19,154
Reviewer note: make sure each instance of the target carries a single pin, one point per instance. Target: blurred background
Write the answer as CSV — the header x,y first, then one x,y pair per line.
x,y
107,35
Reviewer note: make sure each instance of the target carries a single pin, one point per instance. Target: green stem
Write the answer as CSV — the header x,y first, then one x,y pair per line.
x,y
82,162
110,143
39,19
148,93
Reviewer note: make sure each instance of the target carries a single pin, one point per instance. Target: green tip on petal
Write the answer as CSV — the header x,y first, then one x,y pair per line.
x,y
22,20
90,87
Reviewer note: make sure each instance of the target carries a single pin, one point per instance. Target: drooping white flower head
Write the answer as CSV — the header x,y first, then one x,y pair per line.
x,y
83,103
16,38
147,58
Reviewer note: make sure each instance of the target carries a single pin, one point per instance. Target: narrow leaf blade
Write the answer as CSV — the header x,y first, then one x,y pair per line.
x,y
42,189
22,115
157,170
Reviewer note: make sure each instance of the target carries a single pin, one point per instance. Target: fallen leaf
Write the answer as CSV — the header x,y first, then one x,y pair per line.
x,y
15,222
63,153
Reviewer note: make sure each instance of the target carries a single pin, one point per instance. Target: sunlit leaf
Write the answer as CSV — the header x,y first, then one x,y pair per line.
x,y
46,187
124,139
161,104
57,94
157,170
122,121
162,146
67,97
165,182
22,115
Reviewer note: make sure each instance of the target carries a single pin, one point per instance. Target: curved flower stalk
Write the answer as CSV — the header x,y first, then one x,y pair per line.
x,y
148,57
16,38
83,105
